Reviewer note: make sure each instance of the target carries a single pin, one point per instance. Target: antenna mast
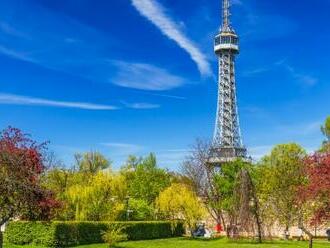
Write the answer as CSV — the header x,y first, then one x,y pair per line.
x,y
226,15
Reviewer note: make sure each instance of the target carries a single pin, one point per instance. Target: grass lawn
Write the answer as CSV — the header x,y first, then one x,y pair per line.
x,y
185,243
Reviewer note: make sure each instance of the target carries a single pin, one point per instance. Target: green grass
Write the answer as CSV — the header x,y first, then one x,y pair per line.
x,y
186,243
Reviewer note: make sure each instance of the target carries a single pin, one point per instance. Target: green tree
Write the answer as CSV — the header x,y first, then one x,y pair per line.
x,y
146,180
179,202
227,181
140,210
91,162
97,199
280,175
326,129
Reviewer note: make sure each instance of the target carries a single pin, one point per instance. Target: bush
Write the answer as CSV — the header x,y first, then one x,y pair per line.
x,y
114,235
62,234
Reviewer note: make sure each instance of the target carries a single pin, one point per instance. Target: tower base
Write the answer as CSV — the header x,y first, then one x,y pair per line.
x,y
223,155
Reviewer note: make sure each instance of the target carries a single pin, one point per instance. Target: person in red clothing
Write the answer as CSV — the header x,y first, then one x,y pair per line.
x,y
218,228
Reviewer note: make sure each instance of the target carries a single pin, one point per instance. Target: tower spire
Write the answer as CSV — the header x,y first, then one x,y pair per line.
x,y
225,15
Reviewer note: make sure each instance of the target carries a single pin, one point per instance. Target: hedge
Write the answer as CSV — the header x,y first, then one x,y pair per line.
x,y
63,234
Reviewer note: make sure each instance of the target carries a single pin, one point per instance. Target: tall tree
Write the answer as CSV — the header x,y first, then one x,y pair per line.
x,y
91,162
317,189
249,206
280,175
21,167
197,169
236,190
146,180
326,129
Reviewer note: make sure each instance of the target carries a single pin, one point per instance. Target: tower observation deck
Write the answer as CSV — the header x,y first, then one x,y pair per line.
x,y
227,141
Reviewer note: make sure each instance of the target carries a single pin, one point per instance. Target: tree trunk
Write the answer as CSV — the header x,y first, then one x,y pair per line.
x,y
1,239
256,208
310,245
310,235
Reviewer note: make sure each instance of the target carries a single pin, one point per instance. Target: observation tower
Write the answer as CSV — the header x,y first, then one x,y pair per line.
x,y
227,141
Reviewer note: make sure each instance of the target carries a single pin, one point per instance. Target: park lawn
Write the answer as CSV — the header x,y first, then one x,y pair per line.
x,y
186,243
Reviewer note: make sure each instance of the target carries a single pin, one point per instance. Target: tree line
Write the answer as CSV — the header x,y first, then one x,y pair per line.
x,y
287,186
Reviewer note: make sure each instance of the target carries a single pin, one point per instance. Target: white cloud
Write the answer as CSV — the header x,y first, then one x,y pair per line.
x,y
142,105
16,54
144,77
170,96
27,100
305,79
156,14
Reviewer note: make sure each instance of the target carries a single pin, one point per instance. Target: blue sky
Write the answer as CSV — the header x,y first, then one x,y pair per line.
x,y
138,76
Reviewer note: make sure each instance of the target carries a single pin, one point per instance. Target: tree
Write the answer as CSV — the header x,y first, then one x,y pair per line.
x,y
317,189
326,129
140,210
197,169
146,180
179,202
21,167
91,162
236,190
280,175
97,199
249,210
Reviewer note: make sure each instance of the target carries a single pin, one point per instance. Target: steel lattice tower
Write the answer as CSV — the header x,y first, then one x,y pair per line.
x,y
227,141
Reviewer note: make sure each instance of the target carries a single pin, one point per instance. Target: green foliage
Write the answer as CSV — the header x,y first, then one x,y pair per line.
x,y
177,201
63,234
87,196
326,128
96,199
227,181
114,235
93,194
91,162
145,180
22,233
279,177
140,210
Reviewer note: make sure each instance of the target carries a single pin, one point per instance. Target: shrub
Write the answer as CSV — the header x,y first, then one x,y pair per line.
x,y
114,234
63,234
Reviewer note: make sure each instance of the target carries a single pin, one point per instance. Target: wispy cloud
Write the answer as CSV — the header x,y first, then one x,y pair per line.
x,y
303,78
10,30
141,105
11,99
155,12
16,54
144,77
170,96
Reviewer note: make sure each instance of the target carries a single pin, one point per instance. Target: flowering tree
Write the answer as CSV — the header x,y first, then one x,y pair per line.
x,y
21,166
179,202
317,190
